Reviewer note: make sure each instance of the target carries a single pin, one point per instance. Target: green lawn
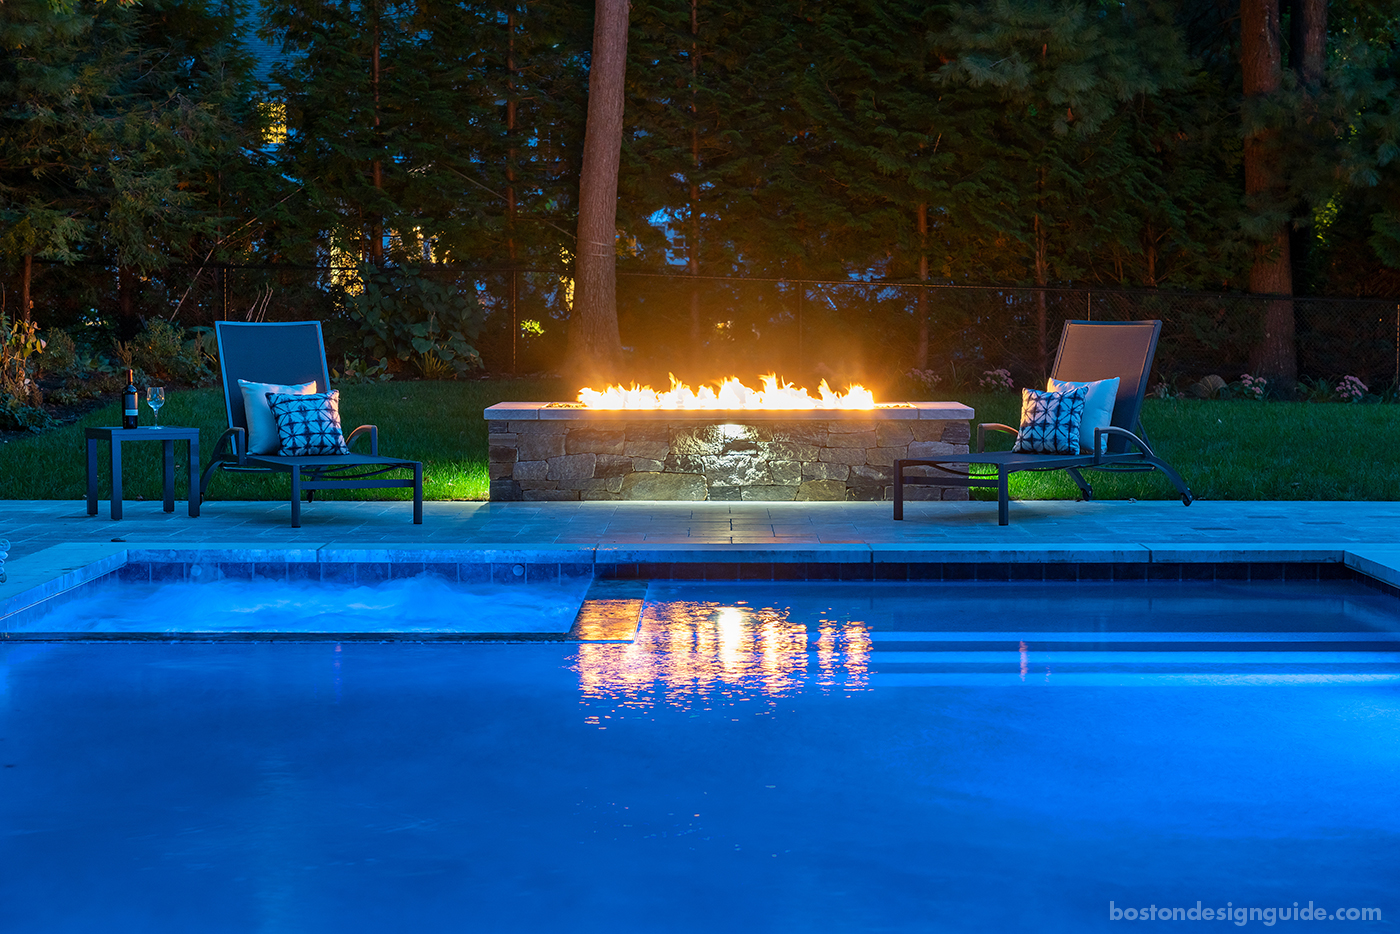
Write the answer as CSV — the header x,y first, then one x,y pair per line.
x,y
1239,450
1225,450
438,423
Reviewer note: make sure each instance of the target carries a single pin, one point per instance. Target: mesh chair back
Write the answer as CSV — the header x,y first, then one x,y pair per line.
x,y
281,352
1091,350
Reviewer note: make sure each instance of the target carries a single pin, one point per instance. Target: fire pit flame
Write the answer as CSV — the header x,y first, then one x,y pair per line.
x,y
731,394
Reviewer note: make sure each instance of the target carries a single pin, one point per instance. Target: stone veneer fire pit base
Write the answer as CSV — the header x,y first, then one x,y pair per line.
x,y
558,451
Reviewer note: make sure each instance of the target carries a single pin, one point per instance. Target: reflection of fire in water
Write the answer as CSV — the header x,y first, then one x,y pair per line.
x,y
688,652
730,394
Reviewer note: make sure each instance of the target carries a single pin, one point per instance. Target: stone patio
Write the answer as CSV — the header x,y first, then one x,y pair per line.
x,y
735,532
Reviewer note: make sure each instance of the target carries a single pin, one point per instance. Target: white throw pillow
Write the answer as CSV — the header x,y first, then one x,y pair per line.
x,y
1098,408
262,427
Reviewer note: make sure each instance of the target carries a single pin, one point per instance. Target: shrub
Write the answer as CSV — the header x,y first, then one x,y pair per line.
x,y
996,381
1351,389
1250,387
21,402
401,314
60,355
163,351
926,379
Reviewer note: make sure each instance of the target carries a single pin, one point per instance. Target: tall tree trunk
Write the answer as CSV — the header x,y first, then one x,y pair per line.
x,y
510,187
595,345
376,226
26,277
921,348
127,326
692,241
1260,60
1042,347
1042,279
1308,59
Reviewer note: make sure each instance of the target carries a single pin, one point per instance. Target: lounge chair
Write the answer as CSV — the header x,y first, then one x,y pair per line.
x,y
1089,350
293,354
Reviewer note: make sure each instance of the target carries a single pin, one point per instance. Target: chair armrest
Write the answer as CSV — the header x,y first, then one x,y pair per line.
x,y
235,442
1098,441
372,431
995,426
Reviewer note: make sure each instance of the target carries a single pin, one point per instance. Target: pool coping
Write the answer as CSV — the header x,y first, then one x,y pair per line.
x,y
49,574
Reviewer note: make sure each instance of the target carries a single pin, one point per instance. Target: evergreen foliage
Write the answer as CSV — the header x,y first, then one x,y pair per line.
x,y
1042,144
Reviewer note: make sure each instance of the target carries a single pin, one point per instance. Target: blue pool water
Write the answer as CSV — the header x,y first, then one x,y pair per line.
x,y
770,758
422,604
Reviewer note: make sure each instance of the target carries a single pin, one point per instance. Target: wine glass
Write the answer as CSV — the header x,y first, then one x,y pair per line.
x,y
155,398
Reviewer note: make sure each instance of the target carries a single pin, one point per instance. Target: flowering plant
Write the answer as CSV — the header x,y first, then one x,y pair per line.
x,y
1253,386
996,381
1351,389
926,378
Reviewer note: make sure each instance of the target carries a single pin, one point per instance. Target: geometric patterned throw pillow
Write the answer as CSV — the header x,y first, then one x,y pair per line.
x,y
308,425
1050,421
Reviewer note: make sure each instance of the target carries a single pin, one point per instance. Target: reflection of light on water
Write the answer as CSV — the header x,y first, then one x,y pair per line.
x,y
692,653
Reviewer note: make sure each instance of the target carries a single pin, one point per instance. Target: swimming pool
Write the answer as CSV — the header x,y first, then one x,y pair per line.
x,y
761,757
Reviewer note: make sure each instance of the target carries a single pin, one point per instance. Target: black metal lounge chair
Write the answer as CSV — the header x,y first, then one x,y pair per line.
x,y
1089,350
294,353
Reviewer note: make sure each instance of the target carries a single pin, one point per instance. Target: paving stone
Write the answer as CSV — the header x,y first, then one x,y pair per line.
x,y
822,490
885,457
501,453
956,432
813,433
929,449
851,439
930,430
705,439
786,473
532,470
865,473
653,433
788,451
572,466
499,470
539,496
652,450
539,446
612,465
608,484
664,486
539,428
848,456
593,441
768,494
504,490
821,470
893,435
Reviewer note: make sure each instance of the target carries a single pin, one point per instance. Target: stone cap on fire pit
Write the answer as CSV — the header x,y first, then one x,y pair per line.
x,y
576,411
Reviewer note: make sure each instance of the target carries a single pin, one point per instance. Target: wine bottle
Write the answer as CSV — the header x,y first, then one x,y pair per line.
x,y
129,408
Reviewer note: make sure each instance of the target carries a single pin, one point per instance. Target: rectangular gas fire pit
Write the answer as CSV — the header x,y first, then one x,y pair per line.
x,y
566,451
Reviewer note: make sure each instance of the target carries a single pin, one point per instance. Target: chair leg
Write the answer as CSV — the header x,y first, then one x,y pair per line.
x,y
1003,497
417,494
1186,498
898,490
296,497
1085,490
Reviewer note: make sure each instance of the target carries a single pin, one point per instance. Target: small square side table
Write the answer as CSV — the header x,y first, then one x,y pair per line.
x,y
167,436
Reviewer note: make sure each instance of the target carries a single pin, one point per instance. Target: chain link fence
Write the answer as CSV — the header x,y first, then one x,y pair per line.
x,y
703,327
